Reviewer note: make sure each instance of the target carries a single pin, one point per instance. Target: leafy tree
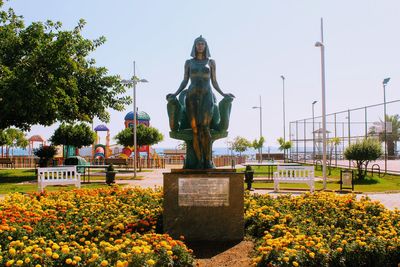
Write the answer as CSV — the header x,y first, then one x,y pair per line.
x,y
240,144
78,135
392,137
145,135
284,145
45,153
362,152
12,137
258,144
46,75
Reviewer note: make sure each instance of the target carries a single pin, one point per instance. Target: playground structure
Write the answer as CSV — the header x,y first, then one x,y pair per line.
x,y
141,118
101,151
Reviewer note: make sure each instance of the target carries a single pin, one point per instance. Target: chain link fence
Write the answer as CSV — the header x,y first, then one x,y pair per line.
x,y
344,128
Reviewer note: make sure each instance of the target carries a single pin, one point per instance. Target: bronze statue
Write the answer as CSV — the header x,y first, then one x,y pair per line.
x,y
197,110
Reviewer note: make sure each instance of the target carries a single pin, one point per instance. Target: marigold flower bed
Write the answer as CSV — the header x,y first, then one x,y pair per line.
x,y
322,229
119,227
98,227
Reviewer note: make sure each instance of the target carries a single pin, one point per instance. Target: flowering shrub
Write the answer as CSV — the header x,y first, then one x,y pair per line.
x,y
322,229
98,227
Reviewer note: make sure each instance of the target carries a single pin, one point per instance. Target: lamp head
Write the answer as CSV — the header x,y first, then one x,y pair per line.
x,y
255,107
319,44
314,102
385,81
283,77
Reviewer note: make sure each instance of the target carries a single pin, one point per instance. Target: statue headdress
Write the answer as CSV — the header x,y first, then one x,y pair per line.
x,y
206,50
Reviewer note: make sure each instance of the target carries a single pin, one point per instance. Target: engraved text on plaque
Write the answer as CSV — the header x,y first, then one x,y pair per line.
x,y
203,192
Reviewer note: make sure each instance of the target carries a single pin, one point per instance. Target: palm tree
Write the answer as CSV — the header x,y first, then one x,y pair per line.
x,y
284,146
392,137
333,142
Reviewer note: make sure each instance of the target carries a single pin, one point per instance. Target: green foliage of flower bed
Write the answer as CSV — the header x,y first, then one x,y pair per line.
x,y
322,229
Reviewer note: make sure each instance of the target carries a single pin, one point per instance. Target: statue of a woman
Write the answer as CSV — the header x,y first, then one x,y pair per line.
x,y
200,100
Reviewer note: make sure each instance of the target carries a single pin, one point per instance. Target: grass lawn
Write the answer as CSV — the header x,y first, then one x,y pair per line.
x,y
24,181
369,184
29,188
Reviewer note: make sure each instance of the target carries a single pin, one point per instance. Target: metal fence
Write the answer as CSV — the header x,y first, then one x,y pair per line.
x,y
346,127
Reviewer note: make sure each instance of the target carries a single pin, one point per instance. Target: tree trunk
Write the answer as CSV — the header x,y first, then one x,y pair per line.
x,y
390,148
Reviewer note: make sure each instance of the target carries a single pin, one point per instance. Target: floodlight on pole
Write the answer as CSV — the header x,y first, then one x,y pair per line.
x,y
322,46
260,107
385,82
134,81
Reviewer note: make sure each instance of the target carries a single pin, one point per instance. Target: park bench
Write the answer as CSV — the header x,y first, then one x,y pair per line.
x,y
7,161
116,161
66,175
294,174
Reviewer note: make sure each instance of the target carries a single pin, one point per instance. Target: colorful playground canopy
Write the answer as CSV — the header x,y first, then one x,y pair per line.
x,y
36,138
141,115
101,128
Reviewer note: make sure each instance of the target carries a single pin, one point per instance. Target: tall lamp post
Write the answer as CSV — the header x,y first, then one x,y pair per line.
x,y
322,46
134,81
260,107
283,106
313,136
385,82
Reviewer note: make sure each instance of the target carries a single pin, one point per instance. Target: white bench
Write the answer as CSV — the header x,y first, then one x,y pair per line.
x,y
58,176
294,174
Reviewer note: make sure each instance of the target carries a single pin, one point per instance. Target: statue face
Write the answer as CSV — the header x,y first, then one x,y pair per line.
x,y
200,47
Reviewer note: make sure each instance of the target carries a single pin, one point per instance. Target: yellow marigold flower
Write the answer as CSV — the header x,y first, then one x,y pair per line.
x,y
10,262
27,260
19,262
151,262
49,253
95,255
65,250
339,249
55,256
286,259
77,258
295,263
312,255
104,263
68,261
169,252
12,251
24,237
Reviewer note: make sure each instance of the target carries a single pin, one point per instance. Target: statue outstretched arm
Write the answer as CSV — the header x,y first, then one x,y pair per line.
x,y
184,81
214,80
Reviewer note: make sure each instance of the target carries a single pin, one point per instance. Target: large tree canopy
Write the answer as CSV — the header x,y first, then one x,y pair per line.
x,y
46,75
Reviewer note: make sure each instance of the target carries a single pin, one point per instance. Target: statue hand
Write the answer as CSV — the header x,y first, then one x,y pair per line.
x,y
170,96
229,95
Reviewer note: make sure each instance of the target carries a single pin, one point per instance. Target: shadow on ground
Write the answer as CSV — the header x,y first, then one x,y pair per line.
x,y
208,249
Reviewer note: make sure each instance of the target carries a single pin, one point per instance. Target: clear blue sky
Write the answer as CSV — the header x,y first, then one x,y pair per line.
x,y
253,43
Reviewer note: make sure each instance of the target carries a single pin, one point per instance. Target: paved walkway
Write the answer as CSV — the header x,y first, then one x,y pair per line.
x,y
155,179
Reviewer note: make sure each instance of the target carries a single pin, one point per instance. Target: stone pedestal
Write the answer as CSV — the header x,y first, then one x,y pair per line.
x,y
204,205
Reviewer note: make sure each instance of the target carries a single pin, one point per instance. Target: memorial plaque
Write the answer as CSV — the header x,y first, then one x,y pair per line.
x,y
347,179
203,192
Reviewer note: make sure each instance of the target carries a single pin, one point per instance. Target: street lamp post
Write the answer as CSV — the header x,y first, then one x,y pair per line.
x,y
322,46
385,82
283,106
260,107
313,130
135,80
